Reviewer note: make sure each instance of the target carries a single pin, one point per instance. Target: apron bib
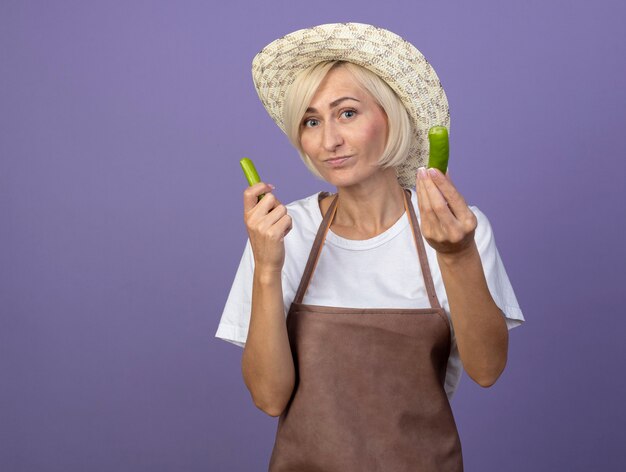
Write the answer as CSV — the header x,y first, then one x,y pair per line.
x,y
369,392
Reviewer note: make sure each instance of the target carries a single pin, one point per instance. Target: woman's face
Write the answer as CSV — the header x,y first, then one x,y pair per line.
x,y
344,130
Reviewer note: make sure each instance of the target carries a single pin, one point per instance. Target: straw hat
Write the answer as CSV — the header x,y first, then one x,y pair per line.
x,y
386,54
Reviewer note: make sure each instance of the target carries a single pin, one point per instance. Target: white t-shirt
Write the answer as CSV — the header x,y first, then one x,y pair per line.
x,y
380,272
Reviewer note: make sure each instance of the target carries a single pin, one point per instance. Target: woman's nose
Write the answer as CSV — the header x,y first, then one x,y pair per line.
x,y
331,137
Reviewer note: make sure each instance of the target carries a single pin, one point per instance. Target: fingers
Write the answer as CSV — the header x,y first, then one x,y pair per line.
x,y
456,202
275,214
251,195
267,216
435,180
449,192
434,205
448,220
277,223
285,224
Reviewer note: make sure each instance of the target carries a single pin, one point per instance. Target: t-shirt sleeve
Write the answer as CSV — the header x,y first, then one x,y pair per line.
x,y
233,326
235,320
495,273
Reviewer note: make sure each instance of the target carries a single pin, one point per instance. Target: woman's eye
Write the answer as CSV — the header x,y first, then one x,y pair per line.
x,y
310,123
349,113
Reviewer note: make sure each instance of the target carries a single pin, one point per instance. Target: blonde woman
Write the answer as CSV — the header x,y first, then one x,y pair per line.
x,y
357,311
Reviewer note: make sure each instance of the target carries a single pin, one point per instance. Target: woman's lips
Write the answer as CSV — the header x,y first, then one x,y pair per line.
x,y
337,162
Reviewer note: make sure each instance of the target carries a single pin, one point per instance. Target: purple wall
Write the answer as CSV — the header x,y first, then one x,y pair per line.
x,y
121,127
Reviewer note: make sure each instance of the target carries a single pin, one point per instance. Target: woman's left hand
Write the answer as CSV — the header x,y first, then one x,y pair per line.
x,y
447,223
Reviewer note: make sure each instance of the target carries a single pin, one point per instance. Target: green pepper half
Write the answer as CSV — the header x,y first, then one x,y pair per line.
x,y
252,176
439,148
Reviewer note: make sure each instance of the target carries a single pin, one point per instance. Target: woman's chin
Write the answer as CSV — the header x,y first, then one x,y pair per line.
x,y
342,181
350,179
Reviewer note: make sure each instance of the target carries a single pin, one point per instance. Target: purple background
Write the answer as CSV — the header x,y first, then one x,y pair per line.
x,y
122,123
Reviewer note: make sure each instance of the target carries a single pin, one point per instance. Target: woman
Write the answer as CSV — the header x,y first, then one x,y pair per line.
x,y
378,323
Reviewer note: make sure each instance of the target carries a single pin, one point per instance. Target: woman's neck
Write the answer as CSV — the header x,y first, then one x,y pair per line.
x,y
369,208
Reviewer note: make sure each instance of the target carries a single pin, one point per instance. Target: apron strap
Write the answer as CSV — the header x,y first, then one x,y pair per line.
x,y
321,237
315,251
421,250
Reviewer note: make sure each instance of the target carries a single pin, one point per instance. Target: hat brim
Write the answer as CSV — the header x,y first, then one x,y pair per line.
x,y
395,60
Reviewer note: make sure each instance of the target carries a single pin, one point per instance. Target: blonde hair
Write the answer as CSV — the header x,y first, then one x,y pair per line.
x,y
400,135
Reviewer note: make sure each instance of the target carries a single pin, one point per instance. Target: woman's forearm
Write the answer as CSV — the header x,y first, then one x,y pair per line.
x,y
481,333
267,363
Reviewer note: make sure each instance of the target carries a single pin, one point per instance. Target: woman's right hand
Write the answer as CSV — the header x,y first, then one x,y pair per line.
x,y
268,223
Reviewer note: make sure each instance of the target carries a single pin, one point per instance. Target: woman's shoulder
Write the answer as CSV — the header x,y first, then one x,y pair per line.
x,y
305,215
305,219
308,207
